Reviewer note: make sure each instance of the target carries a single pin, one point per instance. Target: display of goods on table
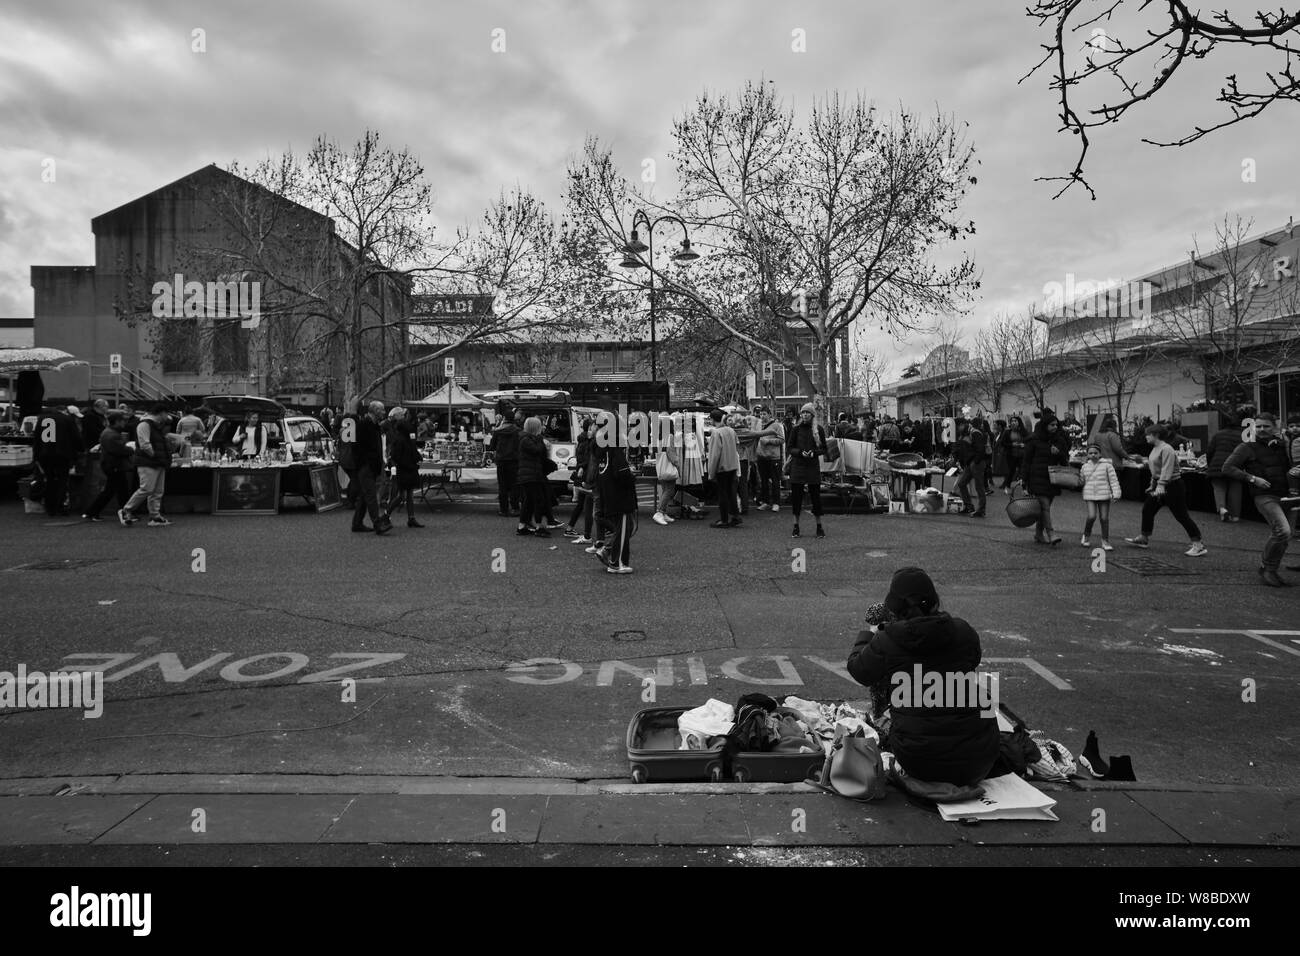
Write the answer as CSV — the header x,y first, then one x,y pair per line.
x,y
469,453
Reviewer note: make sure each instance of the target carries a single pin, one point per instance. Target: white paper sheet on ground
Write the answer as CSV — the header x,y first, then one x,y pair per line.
x,y
1005,726
1005,798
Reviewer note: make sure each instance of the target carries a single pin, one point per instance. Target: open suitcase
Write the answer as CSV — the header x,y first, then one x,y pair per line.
x,y
653,757
652,753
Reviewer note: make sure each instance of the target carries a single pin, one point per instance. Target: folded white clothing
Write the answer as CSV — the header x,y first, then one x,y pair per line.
x,y
711,719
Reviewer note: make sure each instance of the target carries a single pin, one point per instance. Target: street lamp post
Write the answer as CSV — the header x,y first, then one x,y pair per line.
x,y
632,260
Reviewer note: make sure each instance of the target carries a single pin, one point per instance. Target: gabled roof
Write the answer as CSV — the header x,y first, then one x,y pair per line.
x,y
205,177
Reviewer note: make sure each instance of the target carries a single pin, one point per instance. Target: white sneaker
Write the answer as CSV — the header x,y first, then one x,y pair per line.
x,y
762,507
670,518
1106,546
1084,541
618,569
775,508
594,549
582,541
1196,550
660,519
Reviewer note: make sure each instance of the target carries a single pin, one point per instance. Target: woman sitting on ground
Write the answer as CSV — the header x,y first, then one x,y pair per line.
x,y
944,744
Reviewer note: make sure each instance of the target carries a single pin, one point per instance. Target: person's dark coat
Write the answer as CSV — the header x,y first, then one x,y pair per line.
x,y
615,482
937,744
367,450
505,442
1260,459
114,456
971,450
1043,450
532,460
405,454
67,443
92,426
1223,444
582,459
1001,464
806,471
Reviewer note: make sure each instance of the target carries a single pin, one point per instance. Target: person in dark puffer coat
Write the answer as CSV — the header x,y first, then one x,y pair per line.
x,y
533,457
1048,445
1227,491
954,745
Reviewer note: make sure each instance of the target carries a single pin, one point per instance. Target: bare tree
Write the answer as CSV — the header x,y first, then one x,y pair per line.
x,y
835,224
340,243
871,367
1140,59
1035,360
993,358
1214,319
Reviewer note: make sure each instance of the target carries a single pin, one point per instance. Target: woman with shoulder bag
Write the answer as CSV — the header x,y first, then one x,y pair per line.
x,y
667,471
584,479
1048,446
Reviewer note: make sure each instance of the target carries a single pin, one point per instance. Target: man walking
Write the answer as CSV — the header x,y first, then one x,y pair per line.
x,y
368,457
724,466
93,423
152,458
57,444
972,455
1262,465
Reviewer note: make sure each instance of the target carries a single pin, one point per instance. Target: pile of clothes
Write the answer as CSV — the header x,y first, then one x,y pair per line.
x,y
759,723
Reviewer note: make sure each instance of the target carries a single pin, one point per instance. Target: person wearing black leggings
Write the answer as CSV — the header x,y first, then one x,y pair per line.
x,y
807,445
1166,489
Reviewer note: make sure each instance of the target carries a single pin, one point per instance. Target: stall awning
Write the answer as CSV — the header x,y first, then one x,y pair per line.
x,y
459,398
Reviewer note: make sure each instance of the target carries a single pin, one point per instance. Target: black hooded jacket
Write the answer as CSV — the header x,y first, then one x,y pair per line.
x,y
938,744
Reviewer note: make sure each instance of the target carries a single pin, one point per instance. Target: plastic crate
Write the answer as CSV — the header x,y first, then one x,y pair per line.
x,y
919,503
15,456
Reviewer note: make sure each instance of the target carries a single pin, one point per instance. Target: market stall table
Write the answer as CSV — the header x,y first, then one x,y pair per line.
x,y
435,476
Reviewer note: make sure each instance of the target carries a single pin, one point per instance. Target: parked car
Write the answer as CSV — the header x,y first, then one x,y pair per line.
x,y
560,418
301,433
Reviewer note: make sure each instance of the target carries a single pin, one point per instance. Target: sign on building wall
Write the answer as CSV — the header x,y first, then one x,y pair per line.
x,y
450,307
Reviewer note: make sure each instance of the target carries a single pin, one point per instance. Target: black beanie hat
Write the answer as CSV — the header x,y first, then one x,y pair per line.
x,y
911,587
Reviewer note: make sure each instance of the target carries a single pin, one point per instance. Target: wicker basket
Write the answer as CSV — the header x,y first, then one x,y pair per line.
x,y
1024,511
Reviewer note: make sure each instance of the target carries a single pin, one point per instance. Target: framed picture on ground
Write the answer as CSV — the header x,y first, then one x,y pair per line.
x,y
244,491
325,491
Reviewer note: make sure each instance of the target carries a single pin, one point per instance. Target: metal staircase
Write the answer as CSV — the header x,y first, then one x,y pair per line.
x,y
133,385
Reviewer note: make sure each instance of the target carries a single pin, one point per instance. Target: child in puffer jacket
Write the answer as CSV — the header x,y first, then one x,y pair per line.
x,y
1100,487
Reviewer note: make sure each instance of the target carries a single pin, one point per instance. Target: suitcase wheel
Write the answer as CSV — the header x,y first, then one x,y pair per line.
x,y
638,774
715,774
741,776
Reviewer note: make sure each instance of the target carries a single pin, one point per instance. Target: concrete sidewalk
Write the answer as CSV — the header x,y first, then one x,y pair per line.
x,y
270,810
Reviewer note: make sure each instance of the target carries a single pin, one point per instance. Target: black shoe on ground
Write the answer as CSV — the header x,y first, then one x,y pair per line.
x,y
91,518
735,522
977,514
1091,758
362,529
384,528
821,532
523,529
542,531
412,523
720,524
1270,577
505,514
795,532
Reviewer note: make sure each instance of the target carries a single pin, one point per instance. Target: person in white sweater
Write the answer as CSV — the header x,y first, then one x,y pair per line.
x,y
1100,488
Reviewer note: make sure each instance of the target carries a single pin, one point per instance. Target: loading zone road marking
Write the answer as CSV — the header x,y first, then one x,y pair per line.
x,y
173,672
1264,637
537,671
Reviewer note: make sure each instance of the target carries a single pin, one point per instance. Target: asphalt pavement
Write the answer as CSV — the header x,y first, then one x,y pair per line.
x,y
491,667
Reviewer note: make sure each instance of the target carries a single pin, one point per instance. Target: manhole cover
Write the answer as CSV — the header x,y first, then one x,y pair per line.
x,y
1150,567
67,564
629,637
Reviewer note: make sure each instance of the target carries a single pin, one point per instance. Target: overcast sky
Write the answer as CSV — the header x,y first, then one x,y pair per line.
x,y
113,93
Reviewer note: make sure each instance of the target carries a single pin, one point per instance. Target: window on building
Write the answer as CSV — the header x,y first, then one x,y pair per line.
x,y
178,345
229,346
1291,394
1270,395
